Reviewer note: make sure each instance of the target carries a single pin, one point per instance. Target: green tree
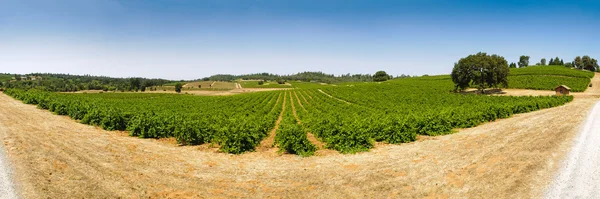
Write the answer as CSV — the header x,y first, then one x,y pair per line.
x,y
569,64
587,63
578,63
561,62
523,61
543,61
482,70
512,65
380,76
551,62
556,61
178,87
135,84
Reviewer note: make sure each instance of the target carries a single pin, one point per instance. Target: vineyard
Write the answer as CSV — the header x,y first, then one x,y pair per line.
x,y
347,118
538,78
551,71
548,77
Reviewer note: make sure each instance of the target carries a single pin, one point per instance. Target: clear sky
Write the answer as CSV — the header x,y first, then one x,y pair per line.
x,y
189,39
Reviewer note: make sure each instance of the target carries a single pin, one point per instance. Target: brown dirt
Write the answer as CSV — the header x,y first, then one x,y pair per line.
x,y
55,157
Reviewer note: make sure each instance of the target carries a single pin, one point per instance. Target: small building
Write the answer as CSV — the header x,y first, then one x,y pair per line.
x,y
562,90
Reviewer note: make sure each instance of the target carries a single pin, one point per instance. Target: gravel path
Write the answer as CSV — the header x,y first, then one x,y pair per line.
x,y
579,176
7,189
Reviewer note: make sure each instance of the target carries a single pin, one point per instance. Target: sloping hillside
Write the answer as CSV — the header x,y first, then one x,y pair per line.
x,y
548,77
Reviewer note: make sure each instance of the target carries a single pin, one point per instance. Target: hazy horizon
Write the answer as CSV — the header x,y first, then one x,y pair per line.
x,y
194,39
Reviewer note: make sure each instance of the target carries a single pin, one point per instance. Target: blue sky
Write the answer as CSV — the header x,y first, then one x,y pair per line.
x,y
189,39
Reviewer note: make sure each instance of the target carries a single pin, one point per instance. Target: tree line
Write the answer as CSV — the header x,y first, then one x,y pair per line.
x,y
580,62
71,83
305,77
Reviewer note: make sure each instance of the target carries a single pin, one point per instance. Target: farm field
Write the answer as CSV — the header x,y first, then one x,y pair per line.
x,y
54,156
535,77
548,77
348,119
322,122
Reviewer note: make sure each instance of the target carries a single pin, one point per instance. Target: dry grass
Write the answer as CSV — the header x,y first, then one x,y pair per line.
x,y
55,157
204,84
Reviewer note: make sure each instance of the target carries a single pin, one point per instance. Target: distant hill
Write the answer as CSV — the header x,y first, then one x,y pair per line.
x,y
67,82
303,76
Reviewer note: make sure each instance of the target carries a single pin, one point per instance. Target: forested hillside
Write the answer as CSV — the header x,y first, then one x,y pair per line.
x,y
68,83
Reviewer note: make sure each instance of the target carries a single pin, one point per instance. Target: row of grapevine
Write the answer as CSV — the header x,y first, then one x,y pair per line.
x,y
237,124
551,71
291,136
438,109
396,112
536,82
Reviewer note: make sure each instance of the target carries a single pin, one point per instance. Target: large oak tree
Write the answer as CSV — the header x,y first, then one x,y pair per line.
x,y
481,70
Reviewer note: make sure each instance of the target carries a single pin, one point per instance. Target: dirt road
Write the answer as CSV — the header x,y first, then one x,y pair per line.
x,y
7,189
55,157
579,176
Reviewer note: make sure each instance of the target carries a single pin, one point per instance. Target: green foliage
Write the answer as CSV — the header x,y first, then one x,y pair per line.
x,y
548,77
556,62
178,87
481,70
418,106
569,65
280,81
291,136
237,123
551,71
381,76
523,61
578,62
548,82
303,76
512,65
543,61
69,83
